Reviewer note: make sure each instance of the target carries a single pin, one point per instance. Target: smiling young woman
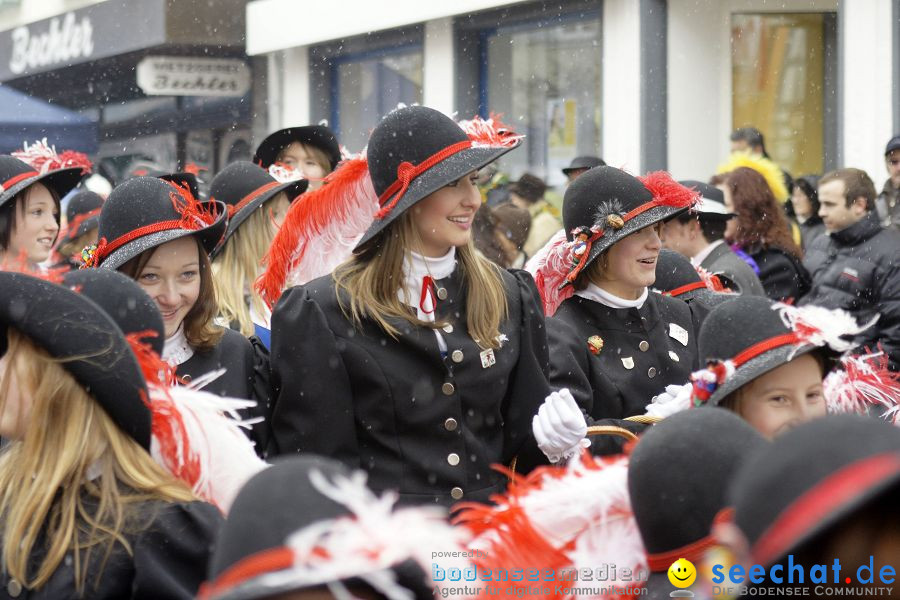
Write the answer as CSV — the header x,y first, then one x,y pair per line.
x,y
417,360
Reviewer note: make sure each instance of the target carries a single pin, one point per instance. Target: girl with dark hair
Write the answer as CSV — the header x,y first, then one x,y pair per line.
x,y
804,203
761,230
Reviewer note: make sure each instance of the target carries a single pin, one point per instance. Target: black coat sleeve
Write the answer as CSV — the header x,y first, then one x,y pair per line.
x,y
529,380
783,277
170,556
260,392
886,330
313,396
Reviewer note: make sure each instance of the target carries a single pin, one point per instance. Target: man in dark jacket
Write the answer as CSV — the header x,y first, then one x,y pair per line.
x,y
856,267
888,201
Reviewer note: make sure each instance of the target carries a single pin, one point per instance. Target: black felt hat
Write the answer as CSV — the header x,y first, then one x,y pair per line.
x,y
146,212
253,558
82,215
678,478
677,277
73,328
16,176
530,187
712,200
749,336
607,204
811,479
417,150
124,300
244,187
314,135
582,163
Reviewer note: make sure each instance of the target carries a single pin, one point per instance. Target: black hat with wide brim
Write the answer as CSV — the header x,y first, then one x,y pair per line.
x,y
143,212
270,507
412,137
677,277
810,480
75,330
82,215
16,176
605,204
582,163
739,324
315,135
244,187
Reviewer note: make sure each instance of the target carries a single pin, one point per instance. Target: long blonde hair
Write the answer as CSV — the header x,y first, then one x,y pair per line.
x,y
372,277
237,267
44,477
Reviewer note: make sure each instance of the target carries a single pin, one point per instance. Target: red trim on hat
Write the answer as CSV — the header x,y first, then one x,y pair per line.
x,y
234,208
105,248
267,561
20,177
660,562
407,171
758,348
73,225
839,488
697,285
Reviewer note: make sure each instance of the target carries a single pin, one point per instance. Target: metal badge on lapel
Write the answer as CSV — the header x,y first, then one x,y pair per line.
x,y
679,333
595,344
674,356
487,358
628,362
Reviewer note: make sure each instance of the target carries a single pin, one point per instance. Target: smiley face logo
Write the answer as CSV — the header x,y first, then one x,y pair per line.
x,y
682,573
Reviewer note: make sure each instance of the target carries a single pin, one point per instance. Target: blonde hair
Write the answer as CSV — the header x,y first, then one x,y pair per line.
x,y
317,154
371,279
237,267
44,479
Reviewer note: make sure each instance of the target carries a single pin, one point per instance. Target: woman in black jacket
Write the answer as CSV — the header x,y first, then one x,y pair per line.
x,y
417,360
86,512
158,234
613,343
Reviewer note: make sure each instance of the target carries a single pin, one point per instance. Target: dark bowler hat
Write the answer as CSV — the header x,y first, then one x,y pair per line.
x,y
75,330
314,135
529,186
123,300
606,204
146,212
417,150
306,497
810,480
750,335
678,478
582,163
244,187
16,175
677,277
82,215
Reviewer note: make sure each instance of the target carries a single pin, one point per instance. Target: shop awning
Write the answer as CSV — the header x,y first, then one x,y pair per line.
x,y
26,119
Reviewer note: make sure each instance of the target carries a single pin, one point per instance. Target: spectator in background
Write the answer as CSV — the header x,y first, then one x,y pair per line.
x,y
856,267
528,193
888,201
804,203
749,139
699,236
511,227
493,184
580,164
761,231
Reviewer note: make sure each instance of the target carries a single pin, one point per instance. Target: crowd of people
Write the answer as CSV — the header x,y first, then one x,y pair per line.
x,y
367,375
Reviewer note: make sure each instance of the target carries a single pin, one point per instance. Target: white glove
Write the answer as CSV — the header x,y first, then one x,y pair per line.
x,y
675,399
559,427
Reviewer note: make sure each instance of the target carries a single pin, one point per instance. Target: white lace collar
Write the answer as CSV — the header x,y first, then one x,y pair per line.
x,y
176,349
416,268
598,294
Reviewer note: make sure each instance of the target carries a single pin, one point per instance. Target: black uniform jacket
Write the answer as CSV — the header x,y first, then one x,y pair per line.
x,y
170,543
427,426
643,350
246,364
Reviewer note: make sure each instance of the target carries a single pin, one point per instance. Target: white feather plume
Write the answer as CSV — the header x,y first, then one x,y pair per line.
x,y
822,326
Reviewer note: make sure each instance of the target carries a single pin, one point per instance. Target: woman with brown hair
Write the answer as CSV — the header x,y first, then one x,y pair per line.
x,y
761,231
158,234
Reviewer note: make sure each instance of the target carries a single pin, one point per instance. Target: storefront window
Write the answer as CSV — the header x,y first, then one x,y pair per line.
x,y
778,85
545,80
369,87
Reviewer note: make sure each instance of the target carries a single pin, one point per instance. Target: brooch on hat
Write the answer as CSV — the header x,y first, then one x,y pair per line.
x,y
706,381
609,214
595,344
90,255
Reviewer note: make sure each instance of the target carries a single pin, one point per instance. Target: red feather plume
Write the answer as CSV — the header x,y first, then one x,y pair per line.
x,y
668,192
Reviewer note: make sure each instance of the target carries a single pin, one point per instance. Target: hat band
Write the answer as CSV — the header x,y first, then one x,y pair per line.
x,y
697,285
73,225
764,346
18,178
660,562
267,561
235,208
407,171
104,248
839,488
